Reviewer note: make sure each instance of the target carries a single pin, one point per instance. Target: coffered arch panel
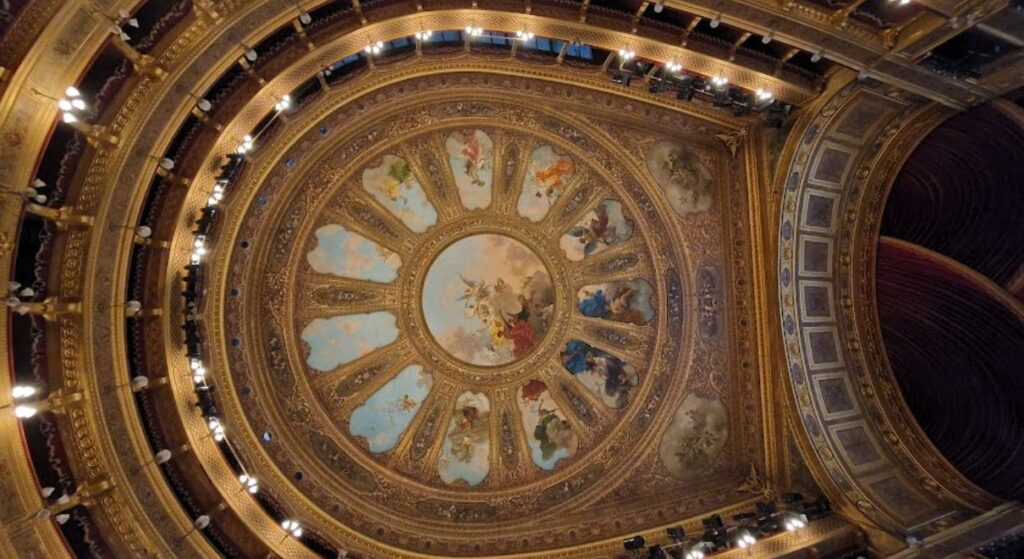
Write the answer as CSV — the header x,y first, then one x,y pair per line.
x,y
846,402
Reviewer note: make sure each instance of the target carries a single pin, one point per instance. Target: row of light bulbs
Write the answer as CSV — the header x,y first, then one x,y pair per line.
x,y
72,105
197,369
718,81
471,30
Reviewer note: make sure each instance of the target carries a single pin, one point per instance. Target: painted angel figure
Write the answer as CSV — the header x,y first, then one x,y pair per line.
x,y
475,295
475,156
550,179
400,175
596,233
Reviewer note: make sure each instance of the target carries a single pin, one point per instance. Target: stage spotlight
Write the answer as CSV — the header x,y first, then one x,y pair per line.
x,y
792,499
744,517
676,533
744,538
656,86
715,532
640,69
622,78
685,93
764,508
819,509
713,522
656,552
721,98
793,522
767,520
635,543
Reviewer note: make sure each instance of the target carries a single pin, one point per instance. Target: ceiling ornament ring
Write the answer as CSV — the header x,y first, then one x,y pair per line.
x,y
198,426
427,344
846,402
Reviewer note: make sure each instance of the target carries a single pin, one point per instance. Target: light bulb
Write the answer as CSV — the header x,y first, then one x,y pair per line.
x,y
24,412
21,391
72,92
70,118
162,456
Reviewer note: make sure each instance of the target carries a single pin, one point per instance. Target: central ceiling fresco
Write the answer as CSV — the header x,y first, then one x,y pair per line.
x,y
471,314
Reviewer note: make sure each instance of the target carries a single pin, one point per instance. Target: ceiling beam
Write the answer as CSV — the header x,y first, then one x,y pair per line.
x,y
810,28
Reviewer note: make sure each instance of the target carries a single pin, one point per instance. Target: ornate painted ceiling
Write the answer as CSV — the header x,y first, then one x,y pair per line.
x,y
485,293
468,307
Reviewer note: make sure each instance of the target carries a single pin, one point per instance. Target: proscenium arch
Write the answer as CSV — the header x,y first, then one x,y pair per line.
x,y
863,442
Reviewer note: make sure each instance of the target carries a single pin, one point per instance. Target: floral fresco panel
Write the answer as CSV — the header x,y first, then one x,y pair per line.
x,y
684,176
695,438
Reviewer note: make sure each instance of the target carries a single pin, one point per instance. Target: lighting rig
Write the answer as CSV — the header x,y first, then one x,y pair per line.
x,y
688,86
745,530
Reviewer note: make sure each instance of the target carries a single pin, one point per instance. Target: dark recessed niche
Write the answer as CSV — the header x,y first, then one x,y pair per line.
x,y
298,476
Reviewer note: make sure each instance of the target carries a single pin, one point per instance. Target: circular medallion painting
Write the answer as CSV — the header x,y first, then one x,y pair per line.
x,y
488,299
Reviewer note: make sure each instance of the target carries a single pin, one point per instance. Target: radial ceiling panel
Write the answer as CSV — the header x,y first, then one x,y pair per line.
x,y
478,313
